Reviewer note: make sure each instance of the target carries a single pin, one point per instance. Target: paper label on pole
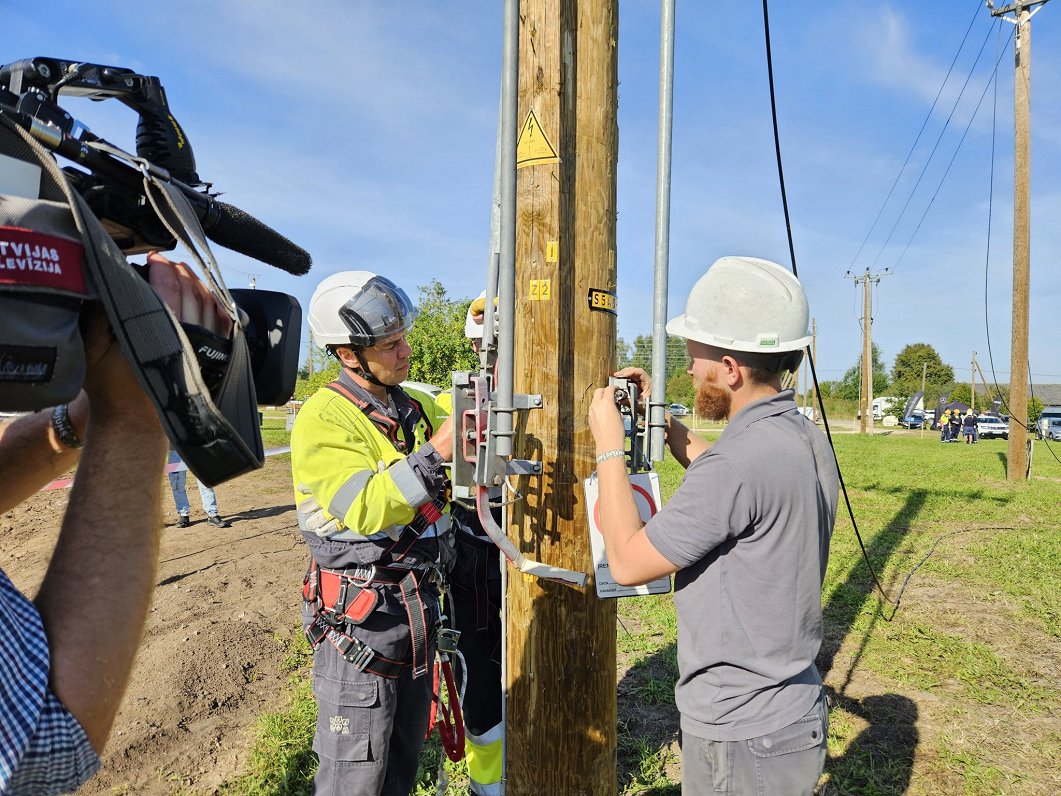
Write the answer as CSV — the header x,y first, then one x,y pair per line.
x,y
532,146
647,498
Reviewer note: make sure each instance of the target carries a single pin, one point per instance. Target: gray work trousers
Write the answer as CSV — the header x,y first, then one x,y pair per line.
x,y
786,762
370,729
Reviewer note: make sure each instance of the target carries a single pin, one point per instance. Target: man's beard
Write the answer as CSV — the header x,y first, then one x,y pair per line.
x,y
712,402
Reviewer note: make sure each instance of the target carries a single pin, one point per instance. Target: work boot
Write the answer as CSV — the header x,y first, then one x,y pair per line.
x,y
218,522
183,521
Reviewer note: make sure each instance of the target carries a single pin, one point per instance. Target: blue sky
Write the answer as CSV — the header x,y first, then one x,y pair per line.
x,y
364,131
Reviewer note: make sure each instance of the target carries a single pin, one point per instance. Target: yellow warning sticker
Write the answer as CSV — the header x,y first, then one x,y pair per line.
x,y
552,252
540,290
603,301
533,147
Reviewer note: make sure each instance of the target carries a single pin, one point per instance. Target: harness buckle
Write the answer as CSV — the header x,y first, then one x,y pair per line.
x,y
362,658
359,581
446,643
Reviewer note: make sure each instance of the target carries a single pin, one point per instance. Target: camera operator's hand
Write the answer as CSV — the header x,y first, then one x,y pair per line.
x,y
110,382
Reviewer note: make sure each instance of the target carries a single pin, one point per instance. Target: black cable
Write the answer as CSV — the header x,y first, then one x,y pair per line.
x,y
792,254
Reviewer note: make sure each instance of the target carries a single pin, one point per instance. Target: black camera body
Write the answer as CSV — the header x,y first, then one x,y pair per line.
x,y
114,192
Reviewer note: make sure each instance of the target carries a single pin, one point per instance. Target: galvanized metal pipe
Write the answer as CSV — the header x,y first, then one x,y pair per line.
x,y
658,400
506,283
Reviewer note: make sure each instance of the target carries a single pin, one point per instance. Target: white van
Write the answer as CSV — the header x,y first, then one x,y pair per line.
x,y
1043,421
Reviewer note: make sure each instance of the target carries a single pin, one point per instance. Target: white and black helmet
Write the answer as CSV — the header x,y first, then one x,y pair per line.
x,y
358,308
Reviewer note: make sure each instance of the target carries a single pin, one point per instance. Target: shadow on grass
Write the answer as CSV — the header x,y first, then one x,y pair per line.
x,y
648,725
840,616
881,758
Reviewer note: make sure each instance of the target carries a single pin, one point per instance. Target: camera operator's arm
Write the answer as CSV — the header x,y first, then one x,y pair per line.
x,y
95,595
31,453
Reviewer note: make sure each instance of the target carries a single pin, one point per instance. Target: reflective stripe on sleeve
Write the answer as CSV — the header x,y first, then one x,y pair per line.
x,y
408,483
346,494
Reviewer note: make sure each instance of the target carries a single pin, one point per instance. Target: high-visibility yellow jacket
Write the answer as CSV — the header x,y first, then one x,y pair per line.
x,y
353,480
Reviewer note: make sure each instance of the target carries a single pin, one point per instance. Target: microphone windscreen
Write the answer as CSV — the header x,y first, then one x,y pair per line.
x,y
241,232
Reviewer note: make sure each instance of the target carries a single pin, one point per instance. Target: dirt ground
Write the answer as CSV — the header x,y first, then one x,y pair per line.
x,y
225,601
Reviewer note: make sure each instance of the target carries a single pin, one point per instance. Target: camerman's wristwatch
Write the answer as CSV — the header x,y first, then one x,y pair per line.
x,y
64,429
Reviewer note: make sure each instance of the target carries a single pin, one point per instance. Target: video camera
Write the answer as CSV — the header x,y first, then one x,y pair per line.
x,y
140,203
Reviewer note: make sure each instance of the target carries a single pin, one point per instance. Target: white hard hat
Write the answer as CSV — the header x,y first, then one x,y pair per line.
x,y
358,308
746,304
474,330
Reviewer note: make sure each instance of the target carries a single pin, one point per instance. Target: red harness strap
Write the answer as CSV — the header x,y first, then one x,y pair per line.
x,y
447,715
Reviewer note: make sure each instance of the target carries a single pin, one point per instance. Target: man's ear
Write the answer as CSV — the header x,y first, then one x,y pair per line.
x,y
346,356
732,372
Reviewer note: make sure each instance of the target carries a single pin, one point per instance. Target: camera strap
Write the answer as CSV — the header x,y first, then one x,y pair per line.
x,y
218,435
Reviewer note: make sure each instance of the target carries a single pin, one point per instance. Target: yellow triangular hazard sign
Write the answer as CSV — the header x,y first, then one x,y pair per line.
x,y
533,148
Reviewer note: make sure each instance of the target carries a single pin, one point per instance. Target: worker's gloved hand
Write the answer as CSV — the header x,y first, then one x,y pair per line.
x,y
311,516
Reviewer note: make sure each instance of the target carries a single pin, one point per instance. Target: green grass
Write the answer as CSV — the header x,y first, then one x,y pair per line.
x,y
957,693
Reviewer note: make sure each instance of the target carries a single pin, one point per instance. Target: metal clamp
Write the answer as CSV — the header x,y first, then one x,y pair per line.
x,y
447,640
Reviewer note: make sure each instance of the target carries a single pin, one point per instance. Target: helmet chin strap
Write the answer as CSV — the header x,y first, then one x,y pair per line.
x,y
364,372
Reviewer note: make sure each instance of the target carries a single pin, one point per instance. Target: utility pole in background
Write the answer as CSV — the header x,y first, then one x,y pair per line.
x,y
924,373
866,393
814,356
309,352
972,385
1017,458
560,728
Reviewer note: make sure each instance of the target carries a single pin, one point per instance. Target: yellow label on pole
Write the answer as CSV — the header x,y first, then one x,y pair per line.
x,y
533,147
603,301
540,290
552,252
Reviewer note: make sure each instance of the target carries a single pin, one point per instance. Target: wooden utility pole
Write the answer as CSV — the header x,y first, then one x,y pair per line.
x,y
309,352
924,403
1017,458
866,393
972,384
561,657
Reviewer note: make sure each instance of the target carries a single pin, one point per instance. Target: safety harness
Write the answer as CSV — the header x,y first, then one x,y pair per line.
x,y
344,599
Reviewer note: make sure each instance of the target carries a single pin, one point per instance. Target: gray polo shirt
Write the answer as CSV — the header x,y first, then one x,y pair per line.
x,y
749,528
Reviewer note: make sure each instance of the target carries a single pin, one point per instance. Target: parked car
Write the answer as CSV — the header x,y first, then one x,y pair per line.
x,y
430,389
1043,421
916,419
678,410
988,426
1053,429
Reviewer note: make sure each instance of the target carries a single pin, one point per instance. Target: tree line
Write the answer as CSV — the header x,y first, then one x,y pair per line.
x,y
905,379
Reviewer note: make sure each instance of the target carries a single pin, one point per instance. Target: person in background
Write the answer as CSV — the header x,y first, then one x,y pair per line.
x,y
969,427
66,656
746,533
177,481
